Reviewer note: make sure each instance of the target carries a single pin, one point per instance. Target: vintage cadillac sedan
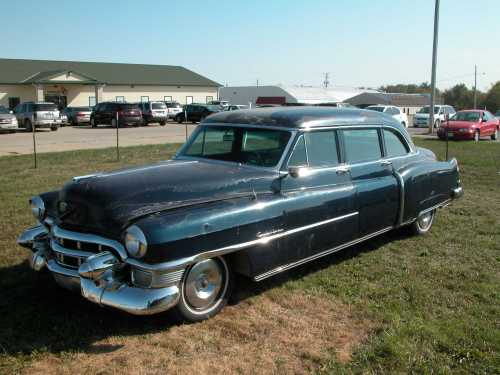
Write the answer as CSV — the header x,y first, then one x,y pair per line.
x,y
254,192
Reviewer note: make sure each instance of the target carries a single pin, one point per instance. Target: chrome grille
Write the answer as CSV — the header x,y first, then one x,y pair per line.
x,y
71,249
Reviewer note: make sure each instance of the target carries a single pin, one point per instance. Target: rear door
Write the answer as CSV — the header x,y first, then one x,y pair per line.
x,y
377,191
320,211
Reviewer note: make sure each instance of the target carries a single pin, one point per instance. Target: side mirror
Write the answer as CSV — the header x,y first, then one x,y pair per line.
x,y
298,171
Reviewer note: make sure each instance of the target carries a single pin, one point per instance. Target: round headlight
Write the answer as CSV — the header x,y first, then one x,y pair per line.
x,y
135,242
37,208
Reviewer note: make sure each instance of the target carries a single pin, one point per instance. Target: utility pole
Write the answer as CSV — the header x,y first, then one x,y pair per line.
x,y
475,86
434,63
326,82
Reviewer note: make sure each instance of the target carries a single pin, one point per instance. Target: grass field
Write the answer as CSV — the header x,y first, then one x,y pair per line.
x,y
395,304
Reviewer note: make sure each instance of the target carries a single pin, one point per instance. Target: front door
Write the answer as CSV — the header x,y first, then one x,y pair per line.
x,y
319,206
59,100
377,191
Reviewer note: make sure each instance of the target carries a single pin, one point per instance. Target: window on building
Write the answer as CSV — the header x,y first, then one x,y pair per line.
x,y
167,98
189,99
144,99
13,102
210,99
120,99
92,101
394,145
361,145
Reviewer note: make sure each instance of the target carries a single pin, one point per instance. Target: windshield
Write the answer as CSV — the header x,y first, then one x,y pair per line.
x,y
378,109
158,106
427,110
45,107
80,109
173,105
4,111
466,116
258,147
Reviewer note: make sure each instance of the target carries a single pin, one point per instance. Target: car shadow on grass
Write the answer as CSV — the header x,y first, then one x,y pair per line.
x,y
37,315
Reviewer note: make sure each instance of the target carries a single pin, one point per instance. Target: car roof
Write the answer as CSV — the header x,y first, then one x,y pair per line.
x,y
303,117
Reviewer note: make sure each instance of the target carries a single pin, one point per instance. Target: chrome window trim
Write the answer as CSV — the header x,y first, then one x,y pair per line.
x,y
319,255
92,238
184,262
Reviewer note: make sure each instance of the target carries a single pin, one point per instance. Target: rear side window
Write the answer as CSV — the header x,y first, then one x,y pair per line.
x,y
361,145
394,145
322,149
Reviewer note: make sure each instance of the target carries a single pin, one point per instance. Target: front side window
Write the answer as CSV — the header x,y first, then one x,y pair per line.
x,y
298,158
471,116
394,145
257,147
322,148
361,145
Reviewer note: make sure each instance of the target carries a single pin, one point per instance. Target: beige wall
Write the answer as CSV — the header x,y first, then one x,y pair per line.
x,y
78,95
134,94
24,92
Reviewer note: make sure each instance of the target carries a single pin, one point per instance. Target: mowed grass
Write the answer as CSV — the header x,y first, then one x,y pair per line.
x,y
395,304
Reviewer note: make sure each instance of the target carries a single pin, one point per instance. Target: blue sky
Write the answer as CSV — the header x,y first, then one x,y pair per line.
x,y
359,42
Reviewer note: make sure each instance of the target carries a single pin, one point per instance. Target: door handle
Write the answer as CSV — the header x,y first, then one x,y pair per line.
x,y
386,163
343,170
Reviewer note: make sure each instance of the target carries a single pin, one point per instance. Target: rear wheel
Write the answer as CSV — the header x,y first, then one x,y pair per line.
x,y
494,136
28,126
205,289
477,136
179,120
423,223
54,128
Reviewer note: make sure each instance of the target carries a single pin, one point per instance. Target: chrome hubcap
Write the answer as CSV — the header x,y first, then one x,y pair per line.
x,y
203,284
425,220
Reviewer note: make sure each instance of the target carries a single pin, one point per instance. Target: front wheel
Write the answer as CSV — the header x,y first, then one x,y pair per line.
x,y
54,128
423,223
205,290
494,136
163,123
179,120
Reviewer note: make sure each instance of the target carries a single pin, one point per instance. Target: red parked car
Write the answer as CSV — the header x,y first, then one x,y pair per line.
x,y
470,124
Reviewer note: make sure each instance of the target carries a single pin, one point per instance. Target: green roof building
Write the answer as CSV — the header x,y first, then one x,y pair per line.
x,y
74,83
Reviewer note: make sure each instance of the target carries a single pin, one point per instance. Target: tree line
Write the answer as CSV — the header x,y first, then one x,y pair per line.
x,y
459,96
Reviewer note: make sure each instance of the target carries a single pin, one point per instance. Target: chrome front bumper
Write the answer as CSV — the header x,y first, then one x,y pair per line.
x,y
99,277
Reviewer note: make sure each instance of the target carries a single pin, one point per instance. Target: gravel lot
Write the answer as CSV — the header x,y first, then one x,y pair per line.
x,y
85,137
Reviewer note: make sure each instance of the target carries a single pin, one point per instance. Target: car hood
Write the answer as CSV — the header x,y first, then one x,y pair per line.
x,y
108,202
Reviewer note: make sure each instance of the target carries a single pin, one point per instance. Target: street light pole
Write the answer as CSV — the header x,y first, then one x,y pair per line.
x,y
475,86
434,63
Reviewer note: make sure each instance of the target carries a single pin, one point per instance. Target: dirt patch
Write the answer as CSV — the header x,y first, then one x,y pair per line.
x,y
276,332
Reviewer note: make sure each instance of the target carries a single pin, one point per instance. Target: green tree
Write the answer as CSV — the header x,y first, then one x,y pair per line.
x,y
459,96
410,88
492,98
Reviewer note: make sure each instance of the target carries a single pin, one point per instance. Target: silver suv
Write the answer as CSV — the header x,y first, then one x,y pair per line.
x,y
32,115
154,112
